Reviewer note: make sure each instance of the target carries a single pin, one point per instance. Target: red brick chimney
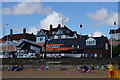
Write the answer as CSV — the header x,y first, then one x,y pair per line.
x,y
11,32
58,26
24,31
51,28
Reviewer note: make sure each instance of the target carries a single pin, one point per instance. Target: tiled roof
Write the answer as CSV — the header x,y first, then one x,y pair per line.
x,y
26,42
80,41
59,28
20,36
114,31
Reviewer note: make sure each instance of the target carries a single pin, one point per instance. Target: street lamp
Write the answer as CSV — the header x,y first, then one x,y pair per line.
x,y
63,19
111,40
81,27
45,47
4,25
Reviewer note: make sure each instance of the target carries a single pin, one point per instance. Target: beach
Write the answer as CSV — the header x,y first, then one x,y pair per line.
x,y
54,73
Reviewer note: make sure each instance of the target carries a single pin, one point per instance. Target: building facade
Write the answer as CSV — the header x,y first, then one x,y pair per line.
x,y
55,33
115,36
9,42
98,47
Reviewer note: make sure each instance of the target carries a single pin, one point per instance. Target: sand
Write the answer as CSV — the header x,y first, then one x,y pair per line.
x,y
54,73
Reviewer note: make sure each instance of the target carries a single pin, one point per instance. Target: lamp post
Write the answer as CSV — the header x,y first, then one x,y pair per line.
x,y
80,27
111,40
63,19
45,46
111,46
4,25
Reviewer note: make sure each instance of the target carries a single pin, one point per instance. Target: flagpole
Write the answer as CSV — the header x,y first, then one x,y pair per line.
x,y
63,18
62,22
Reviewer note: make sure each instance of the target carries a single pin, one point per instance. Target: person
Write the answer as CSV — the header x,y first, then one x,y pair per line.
x,y
16,68
46,68
8,69
78,68
97,67
85,69
102,68
41,56
41,68
111,70
119,67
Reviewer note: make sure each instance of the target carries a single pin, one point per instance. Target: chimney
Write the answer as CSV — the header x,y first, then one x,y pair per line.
x,y
58,26
24,31
64,26
11,31
51,28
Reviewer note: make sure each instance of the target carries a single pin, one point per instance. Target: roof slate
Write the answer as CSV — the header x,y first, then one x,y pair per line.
x,y
81,42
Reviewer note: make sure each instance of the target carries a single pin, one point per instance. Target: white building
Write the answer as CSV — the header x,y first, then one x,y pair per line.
x,y
115,34
55,33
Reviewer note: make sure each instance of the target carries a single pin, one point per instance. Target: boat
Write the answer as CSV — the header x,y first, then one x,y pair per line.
x,y
58,50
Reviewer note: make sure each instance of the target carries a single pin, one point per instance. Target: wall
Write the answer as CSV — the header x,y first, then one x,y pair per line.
x,y
105,53
116,36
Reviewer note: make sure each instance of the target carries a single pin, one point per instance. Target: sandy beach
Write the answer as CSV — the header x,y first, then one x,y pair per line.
x,y
54,73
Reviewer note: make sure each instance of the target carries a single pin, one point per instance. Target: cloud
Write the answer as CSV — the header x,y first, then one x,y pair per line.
x,y
32,29
26,8
60,0
96,34
103,17
54,19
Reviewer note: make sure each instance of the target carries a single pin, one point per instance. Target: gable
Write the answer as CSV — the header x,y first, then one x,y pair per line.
x,y
41,33
59,32
90,39
90,42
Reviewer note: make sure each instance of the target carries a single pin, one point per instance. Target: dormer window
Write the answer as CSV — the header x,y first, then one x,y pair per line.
x,y
90,42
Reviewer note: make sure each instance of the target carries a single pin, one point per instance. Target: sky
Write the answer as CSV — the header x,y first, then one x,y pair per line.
x,y
96,17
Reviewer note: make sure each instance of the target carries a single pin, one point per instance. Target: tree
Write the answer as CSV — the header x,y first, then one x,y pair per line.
x,y
116,50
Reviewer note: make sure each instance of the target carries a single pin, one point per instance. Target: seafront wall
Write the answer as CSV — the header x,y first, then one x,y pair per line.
x,y
65,61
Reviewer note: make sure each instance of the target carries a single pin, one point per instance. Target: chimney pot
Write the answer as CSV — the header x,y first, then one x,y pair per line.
x,y
51,28
24,31
59,25
11,31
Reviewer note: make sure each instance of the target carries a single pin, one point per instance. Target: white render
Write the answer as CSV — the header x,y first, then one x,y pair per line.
x,y
115,36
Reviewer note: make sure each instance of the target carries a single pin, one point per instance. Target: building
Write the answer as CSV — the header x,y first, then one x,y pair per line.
x,y
9,42
62,40
55,33
88,46
28,47
115,36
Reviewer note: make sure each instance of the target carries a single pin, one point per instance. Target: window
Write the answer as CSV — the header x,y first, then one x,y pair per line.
x,y
41,39
59,37
73,46
67,31
86,55
78,46
106,46
95,55
83,55
90,42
